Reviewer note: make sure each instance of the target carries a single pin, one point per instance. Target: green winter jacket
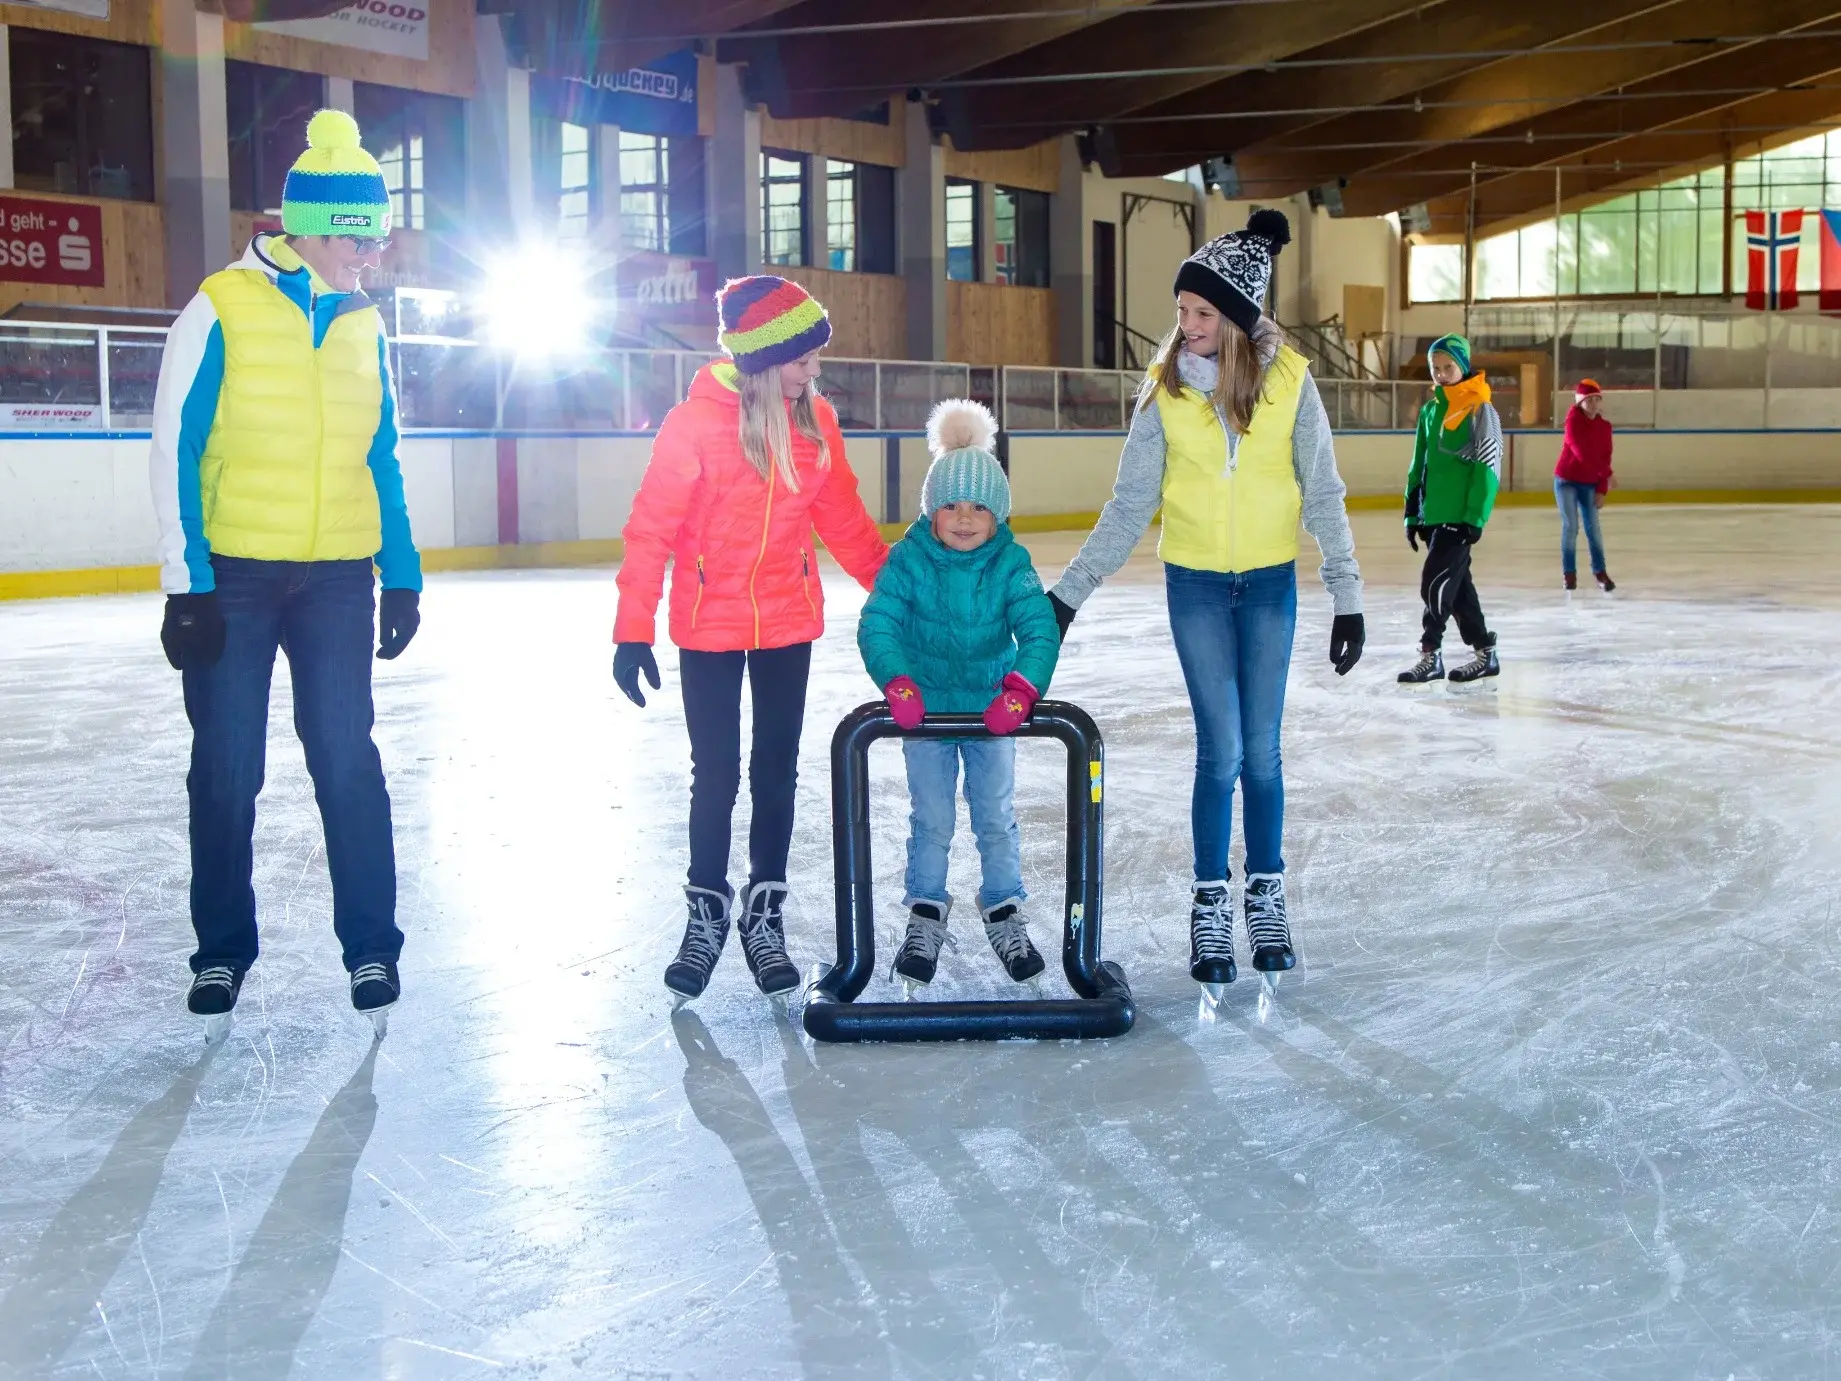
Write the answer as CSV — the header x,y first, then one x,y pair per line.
x,y
958,622
1455,471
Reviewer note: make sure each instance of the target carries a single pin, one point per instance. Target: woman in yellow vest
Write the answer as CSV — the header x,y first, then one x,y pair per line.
x,y
1231,440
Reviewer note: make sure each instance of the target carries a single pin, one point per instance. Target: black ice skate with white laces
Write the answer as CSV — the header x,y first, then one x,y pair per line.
x,y
705,933
1211,938
1008,933
918,959
1268,933
1481,664
375,989
1429,667
763,936
213,996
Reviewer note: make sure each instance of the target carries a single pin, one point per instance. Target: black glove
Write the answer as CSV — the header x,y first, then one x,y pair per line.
x,y
193,631
1347,634
399,614
1414,535
1064,615
1472,535
629,660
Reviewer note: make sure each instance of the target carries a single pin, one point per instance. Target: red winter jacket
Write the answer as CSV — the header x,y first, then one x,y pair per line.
x,y
1585,455
744,572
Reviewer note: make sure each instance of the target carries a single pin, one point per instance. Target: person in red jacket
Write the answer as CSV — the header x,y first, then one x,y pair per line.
x,y
743,472
1581,480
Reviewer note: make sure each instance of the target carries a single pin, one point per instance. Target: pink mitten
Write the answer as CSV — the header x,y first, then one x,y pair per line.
x,y
1006,714
905,702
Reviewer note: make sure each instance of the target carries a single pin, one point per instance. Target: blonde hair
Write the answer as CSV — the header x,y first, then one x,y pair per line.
x,y
1242,359
766,438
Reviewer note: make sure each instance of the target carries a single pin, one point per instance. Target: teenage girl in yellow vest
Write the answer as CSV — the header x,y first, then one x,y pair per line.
x,y
1230,438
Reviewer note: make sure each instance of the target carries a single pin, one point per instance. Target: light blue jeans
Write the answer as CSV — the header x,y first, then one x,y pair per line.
x,y
990,791
1578,503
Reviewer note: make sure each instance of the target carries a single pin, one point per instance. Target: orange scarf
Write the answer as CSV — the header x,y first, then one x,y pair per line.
x,y
1464,398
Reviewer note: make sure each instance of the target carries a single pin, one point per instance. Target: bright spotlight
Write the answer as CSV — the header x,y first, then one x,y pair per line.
x,y
535,303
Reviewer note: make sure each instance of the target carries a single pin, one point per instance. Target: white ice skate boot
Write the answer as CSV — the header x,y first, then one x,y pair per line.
x,y
918,959
375,989
1008,933
1211,938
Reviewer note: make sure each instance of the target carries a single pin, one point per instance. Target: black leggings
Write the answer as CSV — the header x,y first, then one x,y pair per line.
x,y
712,684
1447,589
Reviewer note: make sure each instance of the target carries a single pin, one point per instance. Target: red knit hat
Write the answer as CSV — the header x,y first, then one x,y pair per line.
x,y
1587,388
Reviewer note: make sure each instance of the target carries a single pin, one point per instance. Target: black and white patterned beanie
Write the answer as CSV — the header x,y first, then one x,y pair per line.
x,y
1233,272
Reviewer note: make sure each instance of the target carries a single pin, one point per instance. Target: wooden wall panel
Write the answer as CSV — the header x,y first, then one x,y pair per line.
x,y
868,311
992,323
859,141
1037,168
129,21
449,70
133,260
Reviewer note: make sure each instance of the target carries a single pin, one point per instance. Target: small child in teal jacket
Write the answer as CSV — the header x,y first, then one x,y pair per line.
x,y
958,624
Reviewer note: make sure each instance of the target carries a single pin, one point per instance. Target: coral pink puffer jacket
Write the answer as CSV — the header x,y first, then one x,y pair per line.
x,y
744,574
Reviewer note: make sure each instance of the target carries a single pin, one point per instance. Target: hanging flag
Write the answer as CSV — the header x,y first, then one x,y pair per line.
x,y
1830,300
1771,241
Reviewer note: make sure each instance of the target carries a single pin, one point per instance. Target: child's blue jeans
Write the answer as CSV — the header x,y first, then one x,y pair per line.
x,y
990,791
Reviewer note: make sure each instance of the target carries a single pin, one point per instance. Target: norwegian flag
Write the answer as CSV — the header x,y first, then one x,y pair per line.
x,y
1771,242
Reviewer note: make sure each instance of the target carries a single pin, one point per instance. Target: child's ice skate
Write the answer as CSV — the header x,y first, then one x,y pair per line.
x,y
375,989
763,935
1268,934
1429,667
705,933
918,959
1482,663
1571,580
1211,939
1604,580
213,996
1008,933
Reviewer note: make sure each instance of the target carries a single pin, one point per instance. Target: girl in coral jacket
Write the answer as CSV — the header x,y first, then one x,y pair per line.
x,y
1581,480
743,473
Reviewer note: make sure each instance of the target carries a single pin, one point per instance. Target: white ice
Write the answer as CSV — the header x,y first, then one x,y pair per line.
x,y
1556,1093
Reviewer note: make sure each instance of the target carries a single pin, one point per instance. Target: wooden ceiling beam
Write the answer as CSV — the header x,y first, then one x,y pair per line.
x,y
1393,66
797,75
1014,110
1507,95
1564,135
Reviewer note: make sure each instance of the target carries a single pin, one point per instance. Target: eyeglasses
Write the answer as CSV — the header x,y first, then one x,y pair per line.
x,y
363,245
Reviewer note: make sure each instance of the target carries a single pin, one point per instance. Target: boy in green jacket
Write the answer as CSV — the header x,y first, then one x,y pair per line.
x,y
1450,493
957,624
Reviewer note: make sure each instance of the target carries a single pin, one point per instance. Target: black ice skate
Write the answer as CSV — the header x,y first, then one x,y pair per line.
x,y
375,989
1211,938
1429,667
1005,928
1482,663
763,932
918,959
1604,580
1571,581
705,933
213,996
1268,934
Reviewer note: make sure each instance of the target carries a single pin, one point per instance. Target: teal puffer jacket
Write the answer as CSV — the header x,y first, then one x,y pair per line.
x,y
958,622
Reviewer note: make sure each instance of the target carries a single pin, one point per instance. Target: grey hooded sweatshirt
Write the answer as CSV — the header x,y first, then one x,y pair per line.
x,y
1138,491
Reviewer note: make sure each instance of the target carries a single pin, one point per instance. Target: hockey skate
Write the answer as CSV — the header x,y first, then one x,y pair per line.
x,y
1604,580
1268,934
1211,939
213,996
1429,667
1571,580
1483,663
375,989
918,959
1008,933
763,935
705,933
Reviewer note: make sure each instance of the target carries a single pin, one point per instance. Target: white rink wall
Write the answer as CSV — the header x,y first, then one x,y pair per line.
x,y
81,504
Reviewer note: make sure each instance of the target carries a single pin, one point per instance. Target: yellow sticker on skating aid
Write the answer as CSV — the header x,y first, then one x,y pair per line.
x,y
1093,772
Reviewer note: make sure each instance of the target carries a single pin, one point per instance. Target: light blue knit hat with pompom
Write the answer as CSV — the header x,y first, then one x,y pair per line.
x,y
961,434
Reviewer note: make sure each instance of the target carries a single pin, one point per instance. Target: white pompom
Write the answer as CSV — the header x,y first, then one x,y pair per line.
x,y
959,424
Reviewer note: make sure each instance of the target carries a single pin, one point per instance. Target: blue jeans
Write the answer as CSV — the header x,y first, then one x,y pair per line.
x,y
990,791
321,614
1233,636
1578,502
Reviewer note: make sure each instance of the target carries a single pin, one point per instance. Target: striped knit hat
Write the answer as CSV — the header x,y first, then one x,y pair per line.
x,y
768,322
335,187
961,433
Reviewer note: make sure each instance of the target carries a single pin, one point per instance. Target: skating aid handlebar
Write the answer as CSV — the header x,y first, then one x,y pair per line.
x,y
1104,1005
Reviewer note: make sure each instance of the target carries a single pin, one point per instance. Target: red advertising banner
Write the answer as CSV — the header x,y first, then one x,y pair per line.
x,y
50,242
666,289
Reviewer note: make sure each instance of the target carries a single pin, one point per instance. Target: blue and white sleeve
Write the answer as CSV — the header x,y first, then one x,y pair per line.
x,y
399,564
184,408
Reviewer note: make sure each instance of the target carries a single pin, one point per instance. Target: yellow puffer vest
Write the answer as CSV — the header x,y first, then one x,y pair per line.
x,y
284,476
1239,519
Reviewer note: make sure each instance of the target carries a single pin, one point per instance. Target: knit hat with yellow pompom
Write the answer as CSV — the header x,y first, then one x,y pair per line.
x,y
335,187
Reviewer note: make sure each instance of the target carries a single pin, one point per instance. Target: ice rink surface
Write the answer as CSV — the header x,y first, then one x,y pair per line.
x,y
1557,1092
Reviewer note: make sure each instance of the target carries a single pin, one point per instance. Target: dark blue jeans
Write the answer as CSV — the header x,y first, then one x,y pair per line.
x,y
321,613
1233,636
